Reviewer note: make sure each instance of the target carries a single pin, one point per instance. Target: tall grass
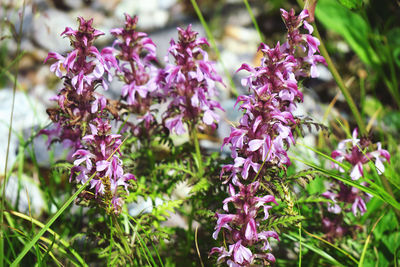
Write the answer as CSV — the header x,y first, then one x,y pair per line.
x,y
2,205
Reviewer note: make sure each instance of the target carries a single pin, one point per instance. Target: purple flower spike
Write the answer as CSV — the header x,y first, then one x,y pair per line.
x,y
134,53
262,138
244,223
103,154
357,152
190,83
82,70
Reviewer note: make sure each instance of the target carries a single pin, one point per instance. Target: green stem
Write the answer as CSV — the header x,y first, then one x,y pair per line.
x,y
199,175
189,233
340,83
253,19
4,184
363,93
300,241
338,78
214,46
122,236
200,170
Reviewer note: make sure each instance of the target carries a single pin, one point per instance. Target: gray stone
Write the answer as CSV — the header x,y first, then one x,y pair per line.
x,y
324,73
151,15
47,29
45,156
22,189
27,113
141,206
74,4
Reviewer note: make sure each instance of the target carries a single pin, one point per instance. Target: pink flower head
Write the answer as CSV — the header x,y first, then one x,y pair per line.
x,y
190,82
134,53
355,151
243,224
103,153
262,138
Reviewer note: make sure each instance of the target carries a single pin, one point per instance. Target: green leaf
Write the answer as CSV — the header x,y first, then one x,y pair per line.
x,y
392,241
386,226
282,221
316,186
313,199
373,189
49,223
351,4
350,25
200,186
371,105
295,237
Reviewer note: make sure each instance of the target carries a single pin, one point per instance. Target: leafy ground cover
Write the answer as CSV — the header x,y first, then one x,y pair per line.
x,y
289,160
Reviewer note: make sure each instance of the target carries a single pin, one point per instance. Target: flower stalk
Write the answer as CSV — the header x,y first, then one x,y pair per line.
x,y
338,78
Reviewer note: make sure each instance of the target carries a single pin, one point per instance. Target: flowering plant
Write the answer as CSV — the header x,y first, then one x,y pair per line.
x,y
190,83
262,138
151,187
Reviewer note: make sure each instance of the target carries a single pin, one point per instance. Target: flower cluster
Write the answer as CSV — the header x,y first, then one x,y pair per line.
x,y
135,51
246,206
356,152
263,136
190,83
81,109
82,69
101,160
334,227
308,44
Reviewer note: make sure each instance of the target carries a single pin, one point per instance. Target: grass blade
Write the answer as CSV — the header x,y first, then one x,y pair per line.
x,y
58,213
2,230
332,245
253,19
56,236
214,46
361,262
381,194
316,250
49,223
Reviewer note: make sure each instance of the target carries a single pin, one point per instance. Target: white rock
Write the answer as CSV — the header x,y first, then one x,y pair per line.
x,y
74,4
28,112
142,206
166,4
25,187
47,29
46,157
324,73
151,15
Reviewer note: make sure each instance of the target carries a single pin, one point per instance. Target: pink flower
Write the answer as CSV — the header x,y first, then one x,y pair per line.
x,y
190,83
357,152
102,152
262,138
354,151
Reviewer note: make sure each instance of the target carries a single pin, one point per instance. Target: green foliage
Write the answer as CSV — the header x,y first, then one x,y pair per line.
x,y
352,4
90,236
162,212
352,26
279,222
